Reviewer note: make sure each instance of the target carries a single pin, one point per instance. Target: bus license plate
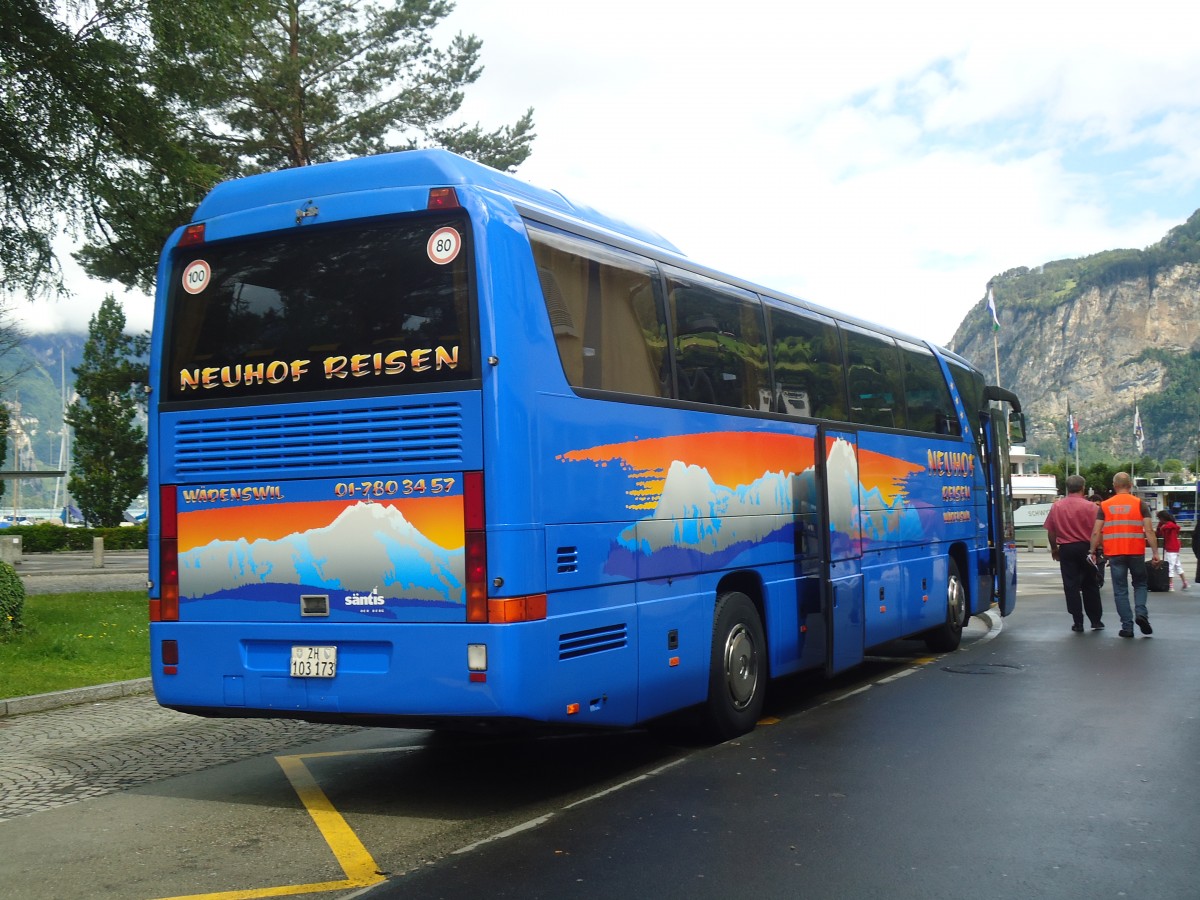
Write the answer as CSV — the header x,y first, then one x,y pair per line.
x,y
314,662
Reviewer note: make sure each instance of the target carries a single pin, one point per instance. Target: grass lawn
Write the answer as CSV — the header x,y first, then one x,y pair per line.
x,y
76,640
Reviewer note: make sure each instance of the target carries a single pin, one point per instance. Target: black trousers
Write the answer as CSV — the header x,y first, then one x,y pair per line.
x,y
1079,583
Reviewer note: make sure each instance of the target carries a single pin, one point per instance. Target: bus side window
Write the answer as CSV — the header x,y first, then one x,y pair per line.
x,y
809,376
563,278
873,378
606,312
720,353
927,398
970,391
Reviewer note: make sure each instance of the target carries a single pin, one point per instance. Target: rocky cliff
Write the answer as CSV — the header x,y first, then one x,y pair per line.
x,y
1101,333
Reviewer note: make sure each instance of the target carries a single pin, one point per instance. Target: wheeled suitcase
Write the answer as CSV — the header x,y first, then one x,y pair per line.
x,y
1158,575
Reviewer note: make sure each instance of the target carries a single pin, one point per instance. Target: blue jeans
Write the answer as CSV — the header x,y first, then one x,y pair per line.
x,y
1121,569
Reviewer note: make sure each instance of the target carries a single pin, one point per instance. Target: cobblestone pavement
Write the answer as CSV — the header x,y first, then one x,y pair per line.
x,y
53,758
56,757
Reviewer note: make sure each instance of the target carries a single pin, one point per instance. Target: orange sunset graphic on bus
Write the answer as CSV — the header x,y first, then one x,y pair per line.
x,y
398,550
727,494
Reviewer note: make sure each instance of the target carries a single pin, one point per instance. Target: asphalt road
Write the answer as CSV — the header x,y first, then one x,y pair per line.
x,y
60,573
1040,763
1035,762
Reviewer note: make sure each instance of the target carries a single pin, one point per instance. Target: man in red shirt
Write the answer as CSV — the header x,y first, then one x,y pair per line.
x,y
1069,525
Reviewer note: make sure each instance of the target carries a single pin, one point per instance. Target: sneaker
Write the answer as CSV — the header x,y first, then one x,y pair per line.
x,y
1144,624
1125,632
1078,626
1096,626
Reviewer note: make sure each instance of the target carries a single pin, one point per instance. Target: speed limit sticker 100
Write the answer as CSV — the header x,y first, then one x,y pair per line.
x,y
196,276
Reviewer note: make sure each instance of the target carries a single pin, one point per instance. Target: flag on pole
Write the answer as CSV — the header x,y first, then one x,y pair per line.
x,y
992,309
1072,430
1139,437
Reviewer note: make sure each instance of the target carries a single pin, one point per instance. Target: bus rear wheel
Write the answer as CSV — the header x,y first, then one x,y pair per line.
x,y
737,668
948,635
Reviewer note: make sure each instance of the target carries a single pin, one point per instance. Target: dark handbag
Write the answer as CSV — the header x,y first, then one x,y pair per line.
x,y
1158,576
1098,563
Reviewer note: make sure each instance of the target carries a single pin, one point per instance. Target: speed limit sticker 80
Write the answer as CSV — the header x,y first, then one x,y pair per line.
x,y
444,245
196,276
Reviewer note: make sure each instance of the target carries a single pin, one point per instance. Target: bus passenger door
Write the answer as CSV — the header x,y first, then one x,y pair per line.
x,y
840,549
1001,537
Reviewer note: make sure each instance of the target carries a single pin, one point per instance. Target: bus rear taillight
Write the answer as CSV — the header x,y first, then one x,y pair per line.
x,y
166,607
442,198
193,234
476,547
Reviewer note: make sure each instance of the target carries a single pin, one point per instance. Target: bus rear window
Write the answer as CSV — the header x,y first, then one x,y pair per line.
x,y
384,304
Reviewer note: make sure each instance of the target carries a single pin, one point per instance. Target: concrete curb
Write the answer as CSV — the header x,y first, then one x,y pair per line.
x,y
16,706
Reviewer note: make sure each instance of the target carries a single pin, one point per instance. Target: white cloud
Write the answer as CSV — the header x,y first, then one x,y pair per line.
x,y
72,312
880,158
876,157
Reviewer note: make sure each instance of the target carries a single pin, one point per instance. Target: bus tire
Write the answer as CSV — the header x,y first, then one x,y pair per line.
x,y
948,635
737,672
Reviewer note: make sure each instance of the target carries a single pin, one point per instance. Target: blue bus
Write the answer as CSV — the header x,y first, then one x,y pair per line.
x,y
434,447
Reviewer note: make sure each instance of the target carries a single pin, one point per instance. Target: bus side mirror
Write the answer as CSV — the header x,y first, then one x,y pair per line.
x,y
1016,428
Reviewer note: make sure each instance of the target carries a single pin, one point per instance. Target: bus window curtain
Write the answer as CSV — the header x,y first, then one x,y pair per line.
x,y
593,336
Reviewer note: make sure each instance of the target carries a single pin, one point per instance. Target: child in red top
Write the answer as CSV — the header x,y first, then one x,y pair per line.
x,y
1168,535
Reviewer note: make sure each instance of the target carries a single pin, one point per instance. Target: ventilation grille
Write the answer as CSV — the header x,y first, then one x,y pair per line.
x,y
311,442
594,640
567,559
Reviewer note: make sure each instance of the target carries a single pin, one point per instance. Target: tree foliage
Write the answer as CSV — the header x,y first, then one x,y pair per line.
x,y
286,83
108,467
117,116
78,118
324,79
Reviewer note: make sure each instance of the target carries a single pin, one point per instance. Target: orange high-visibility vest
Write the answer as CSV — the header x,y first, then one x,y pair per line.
x,y
1124,532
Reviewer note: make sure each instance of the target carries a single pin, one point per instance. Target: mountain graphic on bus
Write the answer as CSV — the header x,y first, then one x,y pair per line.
x,y
696,521
711,516
367,547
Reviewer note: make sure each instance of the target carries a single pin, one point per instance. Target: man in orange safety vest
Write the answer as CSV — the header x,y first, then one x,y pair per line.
x,y
1123,525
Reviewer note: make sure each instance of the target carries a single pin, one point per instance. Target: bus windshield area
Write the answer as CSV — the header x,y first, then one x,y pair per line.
x,y
380,304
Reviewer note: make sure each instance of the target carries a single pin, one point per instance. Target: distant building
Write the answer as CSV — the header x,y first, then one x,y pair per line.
x,y
1033,494
1028,486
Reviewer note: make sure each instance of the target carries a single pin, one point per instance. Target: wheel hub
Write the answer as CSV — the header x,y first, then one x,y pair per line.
x,y
741,666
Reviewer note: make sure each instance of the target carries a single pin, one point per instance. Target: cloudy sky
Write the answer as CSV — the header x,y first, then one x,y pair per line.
x,y
881,158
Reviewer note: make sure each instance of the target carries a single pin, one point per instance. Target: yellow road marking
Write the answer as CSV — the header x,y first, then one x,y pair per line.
x,y
356,862
353,857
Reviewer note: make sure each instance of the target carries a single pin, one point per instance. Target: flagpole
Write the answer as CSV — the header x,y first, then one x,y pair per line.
x,y
1075,440
996,351
991,302
1072,439
1139,441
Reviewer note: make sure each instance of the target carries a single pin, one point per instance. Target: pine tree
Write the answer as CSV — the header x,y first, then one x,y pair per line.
x,y
80,120
109,466
286,83
117,116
